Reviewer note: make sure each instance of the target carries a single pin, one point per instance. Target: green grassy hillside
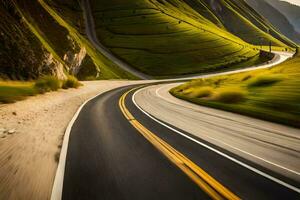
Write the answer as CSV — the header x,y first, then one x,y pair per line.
x,y
161,38
241,20
21,54
47,37
169,38
271,94
276,18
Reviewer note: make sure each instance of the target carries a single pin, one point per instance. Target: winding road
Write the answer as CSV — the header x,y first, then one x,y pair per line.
x,y
139,142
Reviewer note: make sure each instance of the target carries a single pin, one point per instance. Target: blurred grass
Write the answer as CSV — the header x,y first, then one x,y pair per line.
x,y
71,82
270,94
229,95
265,80
15,91
47,84
12,91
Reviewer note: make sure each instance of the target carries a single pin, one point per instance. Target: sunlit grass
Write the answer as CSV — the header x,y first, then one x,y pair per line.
x,y
229,95
271,94
12,91
163,40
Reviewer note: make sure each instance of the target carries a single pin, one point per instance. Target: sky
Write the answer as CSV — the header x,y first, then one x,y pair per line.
x,y
297,2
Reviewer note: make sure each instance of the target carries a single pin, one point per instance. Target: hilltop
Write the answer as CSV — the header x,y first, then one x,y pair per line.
x,y
291,11
161,38
177,37
279,19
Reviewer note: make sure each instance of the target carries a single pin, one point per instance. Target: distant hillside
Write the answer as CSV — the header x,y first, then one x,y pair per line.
x,y
47,37
278,19
158,37
291,11
239,18
176,37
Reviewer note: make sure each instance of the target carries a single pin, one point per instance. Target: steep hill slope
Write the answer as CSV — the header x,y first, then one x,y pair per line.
x,y
240,19
158,37
276,18
164,38
291,11
21,54
48,38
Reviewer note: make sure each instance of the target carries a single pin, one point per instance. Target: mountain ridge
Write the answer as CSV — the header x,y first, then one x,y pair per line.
x,y
53,33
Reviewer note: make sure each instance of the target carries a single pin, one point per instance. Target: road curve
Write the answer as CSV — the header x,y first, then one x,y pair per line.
x,y
92,36
272,146
108,158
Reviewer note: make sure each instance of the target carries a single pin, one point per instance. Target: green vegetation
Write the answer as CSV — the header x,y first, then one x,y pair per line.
x,y
229,95
38,37
265,80
71,82
47,84
105,68
15,91
270,94
164,38
12,91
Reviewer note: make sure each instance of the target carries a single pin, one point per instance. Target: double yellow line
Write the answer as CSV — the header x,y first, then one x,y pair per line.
x,y
207,183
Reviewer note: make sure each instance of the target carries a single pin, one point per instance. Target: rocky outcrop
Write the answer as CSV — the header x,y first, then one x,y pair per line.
x,y
33,44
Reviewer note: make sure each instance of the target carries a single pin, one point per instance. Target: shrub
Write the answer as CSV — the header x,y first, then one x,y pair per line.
x,y
247,77
47,84
71,82
265,80
201,92
230,95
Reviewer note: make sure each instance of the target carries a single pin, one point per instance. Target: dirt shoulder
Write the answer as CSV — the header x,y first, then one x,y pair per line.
x,y
31,133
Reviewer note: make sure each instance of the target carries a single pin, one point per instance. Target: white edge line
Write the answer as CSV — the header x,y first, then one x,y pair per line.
x,y
57,188
217,151
224,143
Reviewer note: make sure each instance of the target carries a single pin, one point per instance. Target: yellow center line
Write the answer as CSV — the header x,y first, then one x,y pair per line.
x,y
207,183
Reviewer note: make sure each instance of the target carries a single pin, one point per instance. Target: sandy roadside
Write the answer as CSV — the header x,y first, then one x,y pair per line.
x,y
29,152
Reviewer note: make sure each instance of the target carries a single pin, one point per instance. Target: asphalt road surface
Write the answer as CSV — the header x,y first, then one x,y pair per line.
x,y
122,147
116,151
271,145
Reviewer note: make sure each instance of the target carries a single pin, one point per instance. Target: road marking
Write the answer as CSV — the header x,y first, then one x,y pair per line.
x,y
207,183
217,151
226,144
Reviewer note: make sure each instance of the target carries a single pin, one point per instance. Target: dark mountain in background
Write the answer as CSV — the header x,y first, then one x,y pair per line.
x,y
291,11
239,18
269,9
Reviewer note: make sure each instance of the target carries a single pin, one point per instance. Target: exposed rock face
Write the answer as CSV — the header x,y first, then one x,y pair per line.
x,y
25,56
21,54
55,68
75,60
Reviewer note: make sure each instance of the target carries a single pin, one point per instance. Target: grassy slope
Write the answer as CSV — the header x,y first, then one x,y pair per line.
x,y
59,27
107,69
167,38
276,18
14,91
21,52
270,94
241,20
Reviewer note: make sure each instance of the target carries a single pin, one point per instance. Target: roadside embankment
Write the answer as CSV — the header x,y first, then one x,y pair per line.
x,y
31,133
